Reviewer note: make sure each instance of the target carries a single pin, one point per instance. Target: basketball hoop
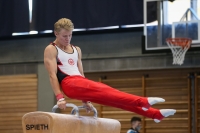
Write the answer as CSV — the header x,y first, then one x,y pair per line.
x,y
179,47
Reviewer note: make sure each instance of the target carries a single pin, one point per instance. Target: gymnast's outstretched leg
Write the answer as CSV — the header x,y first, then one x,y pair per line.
x,y
155,114
80,88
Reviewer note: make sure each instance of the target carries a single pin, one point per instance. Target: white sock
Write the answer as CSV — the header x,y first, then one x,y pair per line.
x,y
153,100
166,113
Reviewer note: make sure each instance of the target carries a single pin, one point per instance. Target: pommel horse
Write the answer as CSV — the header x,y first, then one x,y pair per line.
x,y
51,122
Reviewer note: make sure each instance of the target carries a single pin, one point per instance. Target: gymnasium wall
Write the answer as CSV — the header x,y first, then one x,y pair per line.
x,y
101,52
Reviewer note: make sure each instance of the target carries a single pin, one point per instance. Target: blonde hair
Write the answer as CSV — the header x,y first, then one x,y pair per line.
x,y
63,23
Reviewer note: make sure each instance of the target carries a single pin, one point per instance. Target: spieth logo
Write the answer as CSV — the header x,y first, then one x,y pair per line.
x,y
71,61
37,127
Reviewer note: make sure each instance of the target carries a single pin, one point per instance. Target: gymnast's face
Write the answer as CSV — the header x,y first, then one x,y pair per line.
x,y
64,37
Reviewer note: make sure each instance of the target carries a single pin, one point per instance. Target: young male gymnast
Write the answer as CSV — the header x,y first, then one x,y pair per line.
x,y
63,63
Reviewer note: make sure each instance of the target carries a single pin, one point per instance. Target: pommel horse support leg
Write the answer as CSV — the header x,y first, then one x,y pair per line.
x,y
46,122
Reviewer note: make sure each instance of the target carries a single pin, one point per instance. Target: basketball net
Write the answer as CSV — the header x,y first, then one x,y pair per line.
x,y
179,47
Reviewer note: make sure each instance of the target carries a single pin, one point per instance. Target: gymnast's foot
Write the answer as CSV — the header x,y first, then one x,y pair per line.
x,y
166,113
153,100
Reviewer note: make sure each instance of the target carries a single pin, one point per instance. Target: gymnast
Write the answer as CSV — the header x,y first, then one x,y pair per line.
x,y
63,63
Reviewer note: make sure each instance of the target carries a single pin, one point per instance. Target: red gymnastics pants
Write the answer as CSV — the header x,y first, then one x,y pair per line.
x,y
80,88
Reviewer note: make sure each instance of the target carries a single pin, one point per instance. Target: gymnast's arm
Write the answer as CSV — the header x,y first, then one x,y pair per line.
x,y
87,104
50,54
79,63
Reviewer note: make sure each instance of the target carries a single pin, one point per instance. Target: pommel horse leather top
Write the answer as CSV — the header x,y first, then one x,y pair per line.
x,y
46,122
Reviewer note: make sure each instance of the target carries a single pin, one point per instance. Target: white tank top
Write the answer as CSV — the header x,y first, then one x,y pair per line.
x,y
67,63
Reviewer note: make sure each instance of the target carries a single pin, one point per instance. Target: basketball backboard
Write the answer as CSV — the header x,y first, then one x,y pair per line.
x,y
174,18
